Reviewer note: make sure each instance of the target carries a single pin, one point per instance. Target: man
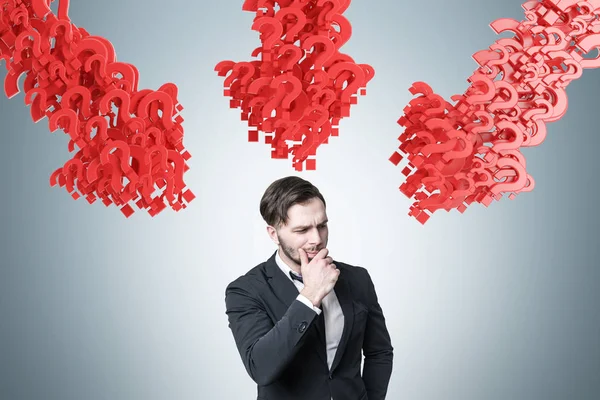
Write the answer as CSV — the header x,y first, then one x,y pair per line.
x,y
299,319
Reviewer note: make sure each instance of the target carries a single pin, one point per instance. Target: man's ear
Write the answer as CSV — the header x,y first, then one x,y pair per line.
x,y
272,234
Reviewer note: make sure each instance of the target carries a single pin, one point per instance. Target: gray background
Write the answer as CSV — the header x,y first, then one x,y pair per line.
x,y
497,303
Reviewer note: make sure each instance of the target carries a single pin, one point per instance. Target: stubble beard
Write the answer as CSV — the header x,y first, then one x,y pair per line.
x,y
289,251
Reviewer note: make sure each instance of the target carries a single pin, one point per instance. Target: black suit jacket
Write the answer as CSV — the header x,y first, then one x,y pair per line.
x,y
283,348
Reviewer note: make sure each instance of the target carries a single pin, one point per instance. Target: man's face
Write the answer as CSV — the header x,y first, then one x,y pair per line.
x,y
306,228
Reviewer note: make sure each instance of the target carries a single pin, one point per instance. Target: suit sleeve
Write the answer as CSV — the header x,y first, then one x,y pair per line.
x,y
377,349
266,348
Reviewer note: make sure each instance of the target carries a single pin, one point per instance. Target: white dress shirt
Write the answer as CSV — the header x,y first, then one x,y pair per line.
x,y
334,317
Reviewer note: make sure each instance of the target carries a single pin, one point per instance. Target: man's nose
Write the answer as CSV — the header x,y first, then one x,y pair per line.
x,y
315,237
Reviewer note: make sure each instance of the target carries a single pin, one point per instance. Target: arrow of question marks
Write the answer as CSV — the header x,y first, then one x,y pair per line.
x,y
129,140
457,153
469,151
296,92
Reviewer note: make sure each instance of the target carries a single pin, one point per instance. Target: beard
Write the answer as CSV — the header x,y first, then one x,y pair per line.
x,y
292,253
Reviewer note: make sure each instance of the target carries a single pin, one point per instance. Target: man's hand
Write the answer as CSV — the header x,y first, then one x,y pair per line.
x,y
319,275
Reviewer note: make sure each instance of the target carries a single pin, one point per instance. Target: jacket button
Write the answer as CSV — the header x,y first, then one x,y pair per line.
x,y
302,327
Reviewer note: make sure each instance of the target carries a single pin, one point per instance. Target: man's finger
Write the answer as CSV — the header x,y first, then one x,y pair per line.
x,y
321,254
303,257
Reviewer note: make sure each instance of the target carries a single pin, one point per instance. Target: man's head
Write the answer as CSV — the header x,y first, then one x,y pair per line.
x,y
294,211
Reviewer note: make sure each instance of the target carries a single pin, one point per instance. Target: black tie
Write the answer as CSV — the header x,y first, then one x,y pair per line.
x,y
296,277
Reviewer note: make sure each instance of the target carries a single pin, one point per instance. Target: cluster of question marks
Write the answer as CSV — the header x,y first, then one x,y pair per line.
x,y
470,151
302,85
129,140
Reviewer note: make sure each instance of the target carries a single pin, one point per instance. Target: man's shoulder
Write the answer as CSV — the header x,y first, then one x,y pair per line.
x,y
359,280
350,269
255,277
357,277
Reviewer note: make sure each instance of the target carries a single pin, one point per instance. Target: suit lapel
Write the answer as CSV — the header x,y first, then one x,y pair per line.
x,y
283,288
344,296
287,292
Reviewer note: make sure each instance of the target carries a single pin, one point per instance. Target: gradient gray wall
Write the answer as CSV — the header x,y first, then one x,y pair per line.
x,y
497,303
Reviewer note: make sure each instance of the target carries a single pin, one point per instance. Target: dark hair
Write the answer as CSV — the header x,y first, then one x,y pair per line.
x,y
284,193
